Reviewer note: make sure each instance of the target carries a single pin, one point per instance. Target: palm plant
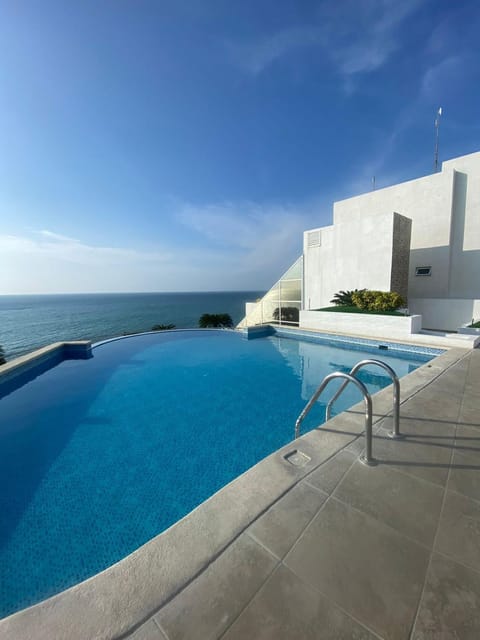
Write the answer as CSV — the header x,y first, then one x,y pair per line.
x,y
286,314
2,355
345,298
215,320
162,327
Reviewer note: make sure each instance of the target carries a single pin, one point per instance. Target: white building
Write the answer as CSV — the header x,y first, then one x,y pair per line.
x,y
420,238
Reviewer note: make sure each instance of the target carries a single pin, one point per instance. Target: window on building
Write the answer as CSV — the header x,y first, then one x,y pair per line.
x,y
423,271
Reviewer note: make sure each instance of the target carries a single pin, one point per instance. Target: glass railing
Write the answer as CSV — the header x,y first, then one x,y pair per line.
x,y
282,303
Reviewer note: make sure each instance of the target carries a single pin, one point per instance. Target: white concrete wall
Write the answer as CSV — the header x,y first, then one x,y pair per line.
x,y
445,213
353,254
465,244
445,314
427,202
470,166
422,195
316,267
360,324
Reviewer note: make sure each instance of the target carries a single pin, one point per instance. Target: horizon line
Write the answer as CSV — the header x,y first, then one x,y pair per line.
x,y
94,293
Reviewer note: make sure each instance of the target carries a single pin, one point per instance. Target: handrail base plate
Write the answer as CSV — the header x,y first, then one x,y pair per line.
x,y
369,463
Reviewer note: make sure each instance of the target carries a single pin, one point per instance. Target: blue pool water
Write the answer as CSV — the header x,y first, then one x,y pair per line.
x,y
98,456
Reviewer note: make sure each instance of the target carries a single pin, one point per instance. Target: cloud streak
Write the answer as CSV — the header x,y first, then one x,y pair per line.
x,y
49,262
256,55
356,36
62,248
230,246
448,75
262,239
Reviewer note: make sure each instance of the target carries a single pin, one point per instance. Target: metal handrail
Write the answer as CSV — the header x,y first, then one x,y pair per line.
x,y
396,393
367,459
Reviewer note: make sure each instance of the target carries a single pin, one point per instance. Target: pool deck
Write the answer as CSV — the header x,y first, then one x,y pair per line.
x,y
310,543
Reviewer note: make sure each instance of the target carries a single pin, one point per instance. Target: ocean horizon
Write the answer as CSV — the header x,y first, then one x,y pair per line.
x,y
30,321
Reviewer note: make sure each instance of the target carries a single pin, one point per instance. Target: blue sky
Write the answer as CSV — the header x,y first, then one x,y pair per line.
x,y
149,145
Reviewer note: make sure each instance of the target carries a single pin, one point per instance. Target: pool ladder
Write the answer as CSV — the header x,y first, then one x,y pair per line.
x,y
350,377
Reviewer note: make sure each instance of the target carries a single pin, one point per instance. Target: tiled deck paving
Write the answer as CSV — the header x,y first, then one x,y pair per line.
x,y
388,552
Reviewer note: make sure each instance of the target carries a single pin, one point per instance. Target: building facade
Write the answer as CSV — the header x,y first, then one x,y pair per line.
x,y
420,238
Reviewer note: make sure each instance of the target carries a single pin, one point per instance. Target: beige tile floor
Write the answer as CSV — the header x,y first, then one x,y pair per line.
x,y
354,552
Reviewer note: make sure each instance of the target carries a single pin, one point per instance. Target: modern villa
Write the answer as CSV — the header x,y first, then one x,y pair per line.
x,y
159,486
420,238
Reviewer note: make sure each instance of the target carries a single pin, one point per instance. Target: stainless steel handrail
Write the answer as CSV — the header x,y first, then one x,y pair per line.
x,y
368,458
396,393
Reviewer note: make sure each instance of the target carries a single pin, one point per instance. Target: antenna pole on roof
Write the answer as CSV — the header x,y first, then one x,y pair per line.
x,y
437,127
373,183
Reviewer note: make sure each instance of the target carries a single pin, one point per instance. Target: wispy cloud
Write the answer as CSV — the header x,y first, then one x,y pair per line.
x,y
239,245
261,239
457,30
448,75
358,36
362,35
62,248
47,261
56,236
256,55
436,83
452,51
377,165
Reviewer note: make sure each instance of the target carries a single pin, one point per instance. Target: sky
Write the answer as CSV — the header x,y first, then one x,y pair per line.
x,y
185,145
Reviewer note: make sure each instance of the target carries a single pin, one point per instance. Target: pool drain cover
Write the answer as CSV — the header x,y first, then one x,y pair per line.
x,y
297,458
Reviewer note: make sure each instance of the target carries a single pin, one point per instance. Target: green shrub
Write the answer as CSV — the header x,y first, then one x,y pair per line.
x,y
354,309
377,300
345,298
162,327
2,355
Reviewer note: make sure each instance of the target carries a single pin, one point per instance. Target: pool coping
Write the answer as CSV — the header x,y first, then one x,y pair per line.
x,y
116,601
358,341
414,340
51,354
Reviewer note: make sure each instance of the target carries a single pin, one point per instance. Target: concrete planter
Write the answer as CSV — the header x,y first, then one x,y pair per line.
x,y
471,331
257,332
369,325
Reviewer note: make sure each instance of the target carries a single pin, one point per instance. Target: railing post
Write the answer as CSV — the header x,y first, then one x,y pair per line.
x,y
396,410
395,434
368,457
350,377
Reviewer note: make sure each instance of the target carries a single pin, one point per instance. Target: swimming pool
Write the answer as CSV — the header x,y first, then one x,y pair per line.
x,y
98,456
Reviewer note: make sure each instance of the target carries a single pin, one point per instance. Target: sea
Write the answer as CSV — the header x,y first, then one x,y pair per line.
x,y
28,322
